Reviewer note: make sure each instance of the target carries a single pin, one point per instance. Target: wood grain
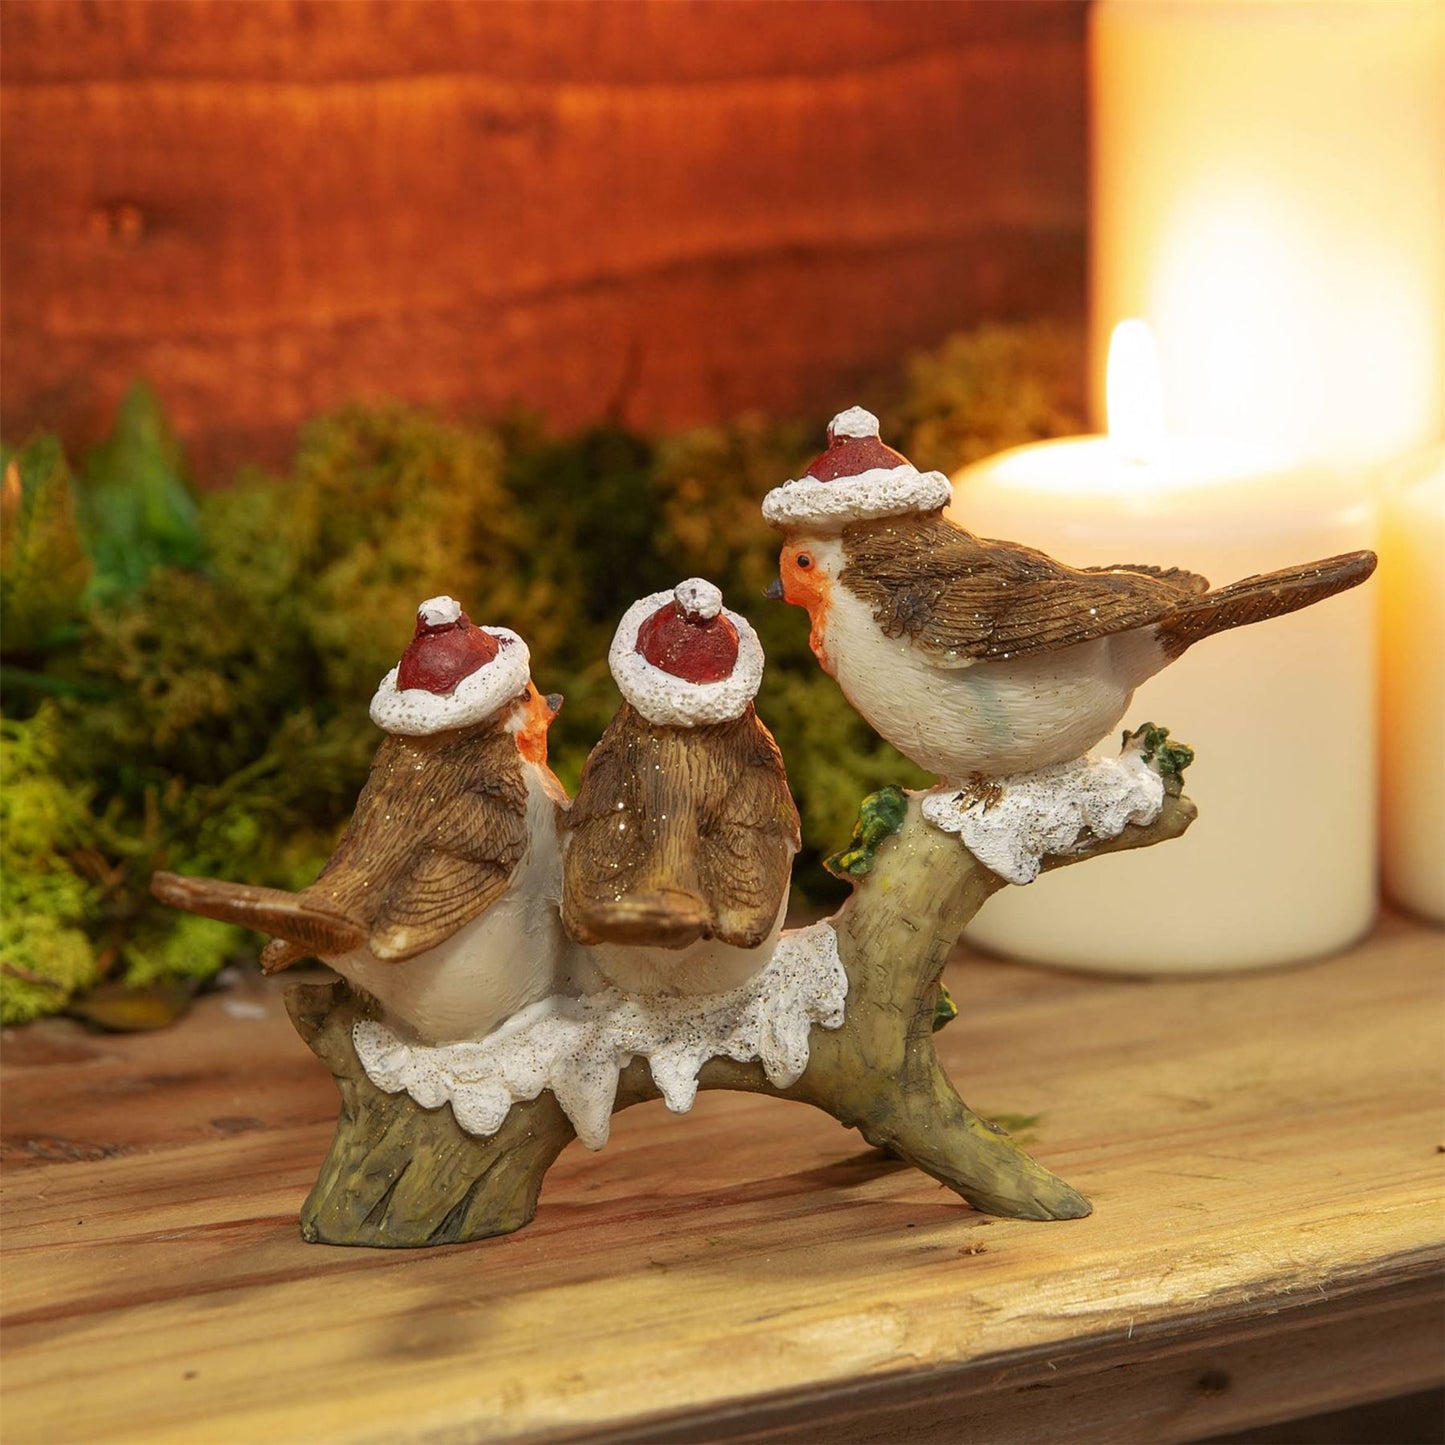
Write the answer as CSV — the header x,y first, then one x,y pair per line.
x,y
1262,1152
669,212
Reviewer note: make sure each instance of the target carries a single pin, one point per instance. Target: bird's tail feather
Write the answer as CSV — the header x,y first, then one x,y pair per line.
x,y
651,918
1256,598
311,929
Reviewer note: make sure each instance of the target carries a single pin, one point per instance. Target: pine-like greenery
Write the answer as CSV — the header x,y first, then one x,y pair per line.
x,y
186,675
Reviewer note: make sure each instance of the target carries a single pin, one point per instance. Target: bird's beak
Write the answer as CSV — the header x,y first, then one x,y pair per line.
x,y
554,703
774,590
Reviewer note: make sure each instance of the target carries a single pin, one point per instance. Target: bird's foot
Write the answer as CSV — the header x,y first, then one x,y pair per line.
x,y
979,789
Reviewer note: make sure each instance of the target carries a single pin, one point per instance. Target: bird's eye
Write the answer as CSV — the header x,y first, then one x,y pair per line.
x,y
804,561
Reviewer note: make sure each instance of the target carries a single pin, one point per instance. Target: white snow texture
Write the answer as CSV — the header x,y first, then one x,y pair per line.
x,y
1059,809
577,1046
830,506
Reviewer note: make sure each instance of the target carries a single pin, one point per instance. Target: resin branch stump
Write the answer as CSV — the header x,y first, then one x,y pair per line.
x,y
402,1175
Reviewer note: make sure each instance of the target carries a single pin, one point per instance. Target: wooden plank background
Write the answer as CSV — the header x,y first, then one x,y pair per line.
x,y
662,211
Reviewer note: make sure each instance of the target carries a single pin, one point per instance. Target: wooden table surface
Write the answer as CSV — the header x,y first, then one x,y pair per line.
x,y
1263,1153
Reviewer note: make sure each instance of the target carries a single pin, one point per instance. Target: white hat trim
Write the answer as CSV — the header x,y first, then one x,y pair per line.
x,y
831,506
414,712
669,701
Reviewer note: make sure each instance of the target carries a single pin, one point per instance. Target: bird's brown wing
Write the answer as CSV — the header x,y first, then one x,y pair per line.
x,y
1191,582
749,832
437,833
678,834
618,884
963,599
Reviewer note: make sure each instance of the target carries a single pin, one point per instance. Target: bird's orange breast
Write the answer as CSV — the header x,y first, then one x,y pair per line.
x,y
807,587
532,734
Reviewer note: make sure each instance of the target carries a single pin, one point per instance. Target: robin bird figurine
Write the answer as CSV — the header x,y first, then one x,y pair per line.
x,y
440,900
681,837
979,659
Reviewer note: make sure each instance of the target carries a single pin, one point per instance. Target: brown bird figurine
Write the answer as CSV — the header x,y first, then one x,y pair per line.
x,y
441,898
978,659
681,837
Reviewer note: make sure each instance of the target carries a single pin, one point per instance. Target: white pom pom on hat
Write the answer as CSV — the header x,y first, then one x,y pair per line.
x,y
857,479
668,641
439,611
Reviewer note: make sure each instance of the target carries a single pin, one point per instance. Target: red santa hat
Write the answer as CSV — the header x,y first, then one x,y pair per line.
x,y
452,674
856,480
683,660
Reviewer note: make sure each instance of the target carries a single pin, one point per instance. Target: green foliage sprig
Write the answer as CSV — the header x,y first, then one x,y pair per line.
x,y
186,675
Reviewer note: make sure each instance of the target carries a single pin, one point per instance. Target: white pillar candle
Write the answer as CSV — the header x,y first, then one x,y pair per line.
x,y
1281,862
1412,693
1268,193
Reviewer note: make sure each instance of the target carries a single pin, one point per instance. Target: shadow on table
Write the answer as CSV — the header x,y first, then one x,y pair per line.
x,y
1408,1420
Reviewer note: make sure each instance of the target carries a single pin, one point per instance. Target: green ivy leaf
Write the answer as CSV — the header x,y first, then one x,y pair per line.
x,y
944,1009
1169,758
880,816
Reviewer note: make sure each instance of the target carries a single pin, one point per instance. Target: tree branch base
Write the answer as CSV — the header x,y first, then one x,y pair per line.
x,y
399,1175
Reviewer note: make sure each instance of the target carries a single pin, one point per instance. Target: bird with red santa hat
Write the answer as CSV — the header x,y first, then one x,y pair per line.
x,y
980,659
681,837
440,900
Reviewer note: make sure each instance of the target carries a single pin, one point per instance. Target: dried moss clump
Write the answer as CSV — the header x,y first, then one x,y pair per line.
x,y
203,708
186,675
43,566
986,390
45,900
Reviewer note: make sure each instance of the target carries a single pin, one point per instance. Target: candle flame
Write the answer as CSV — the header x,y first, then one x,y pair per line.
x,y
1135,393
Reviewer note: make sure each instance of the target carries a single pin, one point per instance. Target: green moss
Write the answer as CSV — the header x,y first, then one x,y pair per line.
x,y
43,566
46,955
407,507
43,964
712,480
196,672
199,703
160,949
985,390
